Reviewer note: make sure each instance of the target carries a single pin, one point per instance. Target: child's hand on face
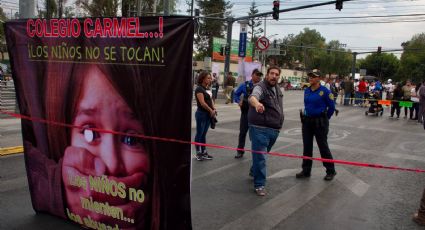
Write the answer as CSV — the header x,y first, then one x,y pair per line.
x,y
83,161
77,165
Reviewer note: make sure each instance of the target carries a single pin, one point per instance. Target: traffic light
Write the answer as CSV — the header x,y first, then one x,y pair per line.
x,y
379,50
338,5
276,5
222,51
227,50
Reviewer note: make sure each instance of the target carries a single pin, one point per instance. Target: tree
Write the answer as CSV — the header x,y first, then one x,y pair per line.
x,y
3,18
148,7
99,8
209,28
254,25
382,65
61,3
412,62
334,59
51,9
309,38
69,12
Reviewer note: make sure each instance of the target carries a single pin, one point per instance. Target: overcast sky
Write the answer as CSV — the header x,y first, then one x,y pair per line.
x,y
360,34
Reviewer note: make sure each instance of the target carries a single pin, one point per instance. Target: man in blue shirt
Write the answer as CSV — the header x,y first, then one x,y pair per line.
x,y
319,108
245,89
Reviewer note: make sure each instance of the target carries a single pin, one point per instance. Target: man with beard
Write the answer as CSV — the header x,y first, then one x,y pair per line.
x,y
265,119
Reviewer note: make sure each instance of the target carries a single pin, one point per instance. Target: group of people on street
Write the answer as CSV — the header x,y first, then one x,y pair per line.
x,y
261,104
361,93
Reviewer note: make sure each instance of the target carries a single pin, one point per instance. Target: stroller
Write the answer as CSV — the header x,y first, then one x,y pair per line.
x,y
375,108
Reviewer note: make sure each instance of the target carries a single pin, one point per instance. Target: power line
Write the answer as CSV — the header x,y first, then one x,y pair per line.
x,y
353,17
345,23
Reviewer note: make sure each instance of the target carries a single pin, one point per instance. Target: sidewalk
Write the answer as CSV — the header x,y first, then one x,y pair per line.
x,y
10,136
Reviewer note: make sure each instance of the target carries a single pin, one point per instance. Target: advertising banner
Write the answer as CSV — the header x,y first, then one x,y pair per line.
x,y
95,93
234,50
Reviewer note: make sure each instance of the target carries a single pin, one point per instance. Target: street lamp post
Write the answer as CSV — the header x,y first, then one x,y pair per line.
x,y
264,51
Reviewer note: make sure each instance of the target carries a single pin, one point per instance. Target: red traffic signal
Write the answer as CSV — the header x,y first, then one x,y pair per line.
x,y
338,5
276,5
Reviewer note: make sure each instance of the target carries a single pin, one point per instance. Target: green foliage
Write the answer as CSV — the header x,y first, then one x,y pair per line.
x,y
412,62
51,9
334,60
255,25
99,8
209,28
382,65
3,18
69,12
309,48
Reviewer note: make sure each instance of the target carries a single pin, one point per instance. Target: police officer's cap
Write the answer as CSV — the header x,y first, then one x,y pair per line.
x,y
314,73
257,72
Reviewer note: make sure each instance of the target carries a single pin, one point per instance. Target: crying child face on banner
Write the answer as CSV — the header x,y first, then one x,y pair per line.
x,y
106,168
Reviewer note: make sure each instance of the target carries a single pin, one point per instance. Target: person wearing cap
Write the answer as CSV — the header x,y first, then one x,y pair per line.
x,y
319,108
245,89
265,119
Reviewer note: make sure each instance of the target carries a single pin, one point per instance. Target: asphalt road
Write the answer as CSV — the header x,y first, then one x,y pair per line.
x,y
222,191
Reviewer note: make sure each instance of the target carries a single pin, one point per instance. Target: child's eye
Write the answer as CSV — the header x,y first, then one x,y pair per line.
x,y
90,135
131,140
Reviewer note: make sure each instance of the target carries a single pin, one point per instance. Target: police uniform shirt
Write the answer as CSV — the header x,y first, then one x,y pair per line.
x,y
241,90
318,101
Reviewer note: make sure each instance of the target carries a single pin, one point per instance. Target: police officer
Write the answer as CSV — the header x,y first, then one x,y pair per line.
x,y
319,108
245,89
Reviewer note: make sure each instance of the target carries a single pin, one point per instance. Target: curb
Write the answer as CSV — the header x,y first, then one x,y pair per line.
x,y
11,150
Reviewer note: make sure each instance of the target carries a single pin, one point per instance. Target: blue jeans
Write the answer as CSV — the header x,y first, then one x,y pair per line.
x,y
262,139
359,98
347,98
203,121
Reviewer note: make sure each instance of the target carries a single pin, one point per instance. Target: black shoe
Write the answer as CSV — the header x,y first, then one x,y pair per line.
x,y
302,175
206,156
336,112
239,155
418,220
199,157
329,176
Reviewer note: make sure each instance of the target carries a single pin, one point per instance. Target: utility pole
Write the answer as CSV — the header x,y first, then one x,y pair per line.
x,y
166,8
353,66
139,8
263,52
191,8
228,46
265,14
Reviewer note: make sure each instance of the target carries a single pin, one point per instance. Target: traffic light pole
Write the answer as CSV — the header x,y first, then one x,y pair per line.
x,y
230,22
227,50
353,65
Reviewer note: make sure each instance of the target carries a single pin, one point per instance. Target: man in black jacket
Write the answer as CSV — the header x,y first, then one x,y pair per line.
x,y
265,119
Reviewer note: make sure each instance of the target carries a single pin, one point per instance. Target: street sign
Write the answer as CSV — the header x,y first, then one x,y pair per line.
x,y
242,45
262,43
242,38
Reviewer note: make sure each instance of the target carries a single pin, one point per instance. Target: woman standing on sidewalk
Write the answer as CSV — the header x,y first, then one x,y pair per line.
x,y
203,114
